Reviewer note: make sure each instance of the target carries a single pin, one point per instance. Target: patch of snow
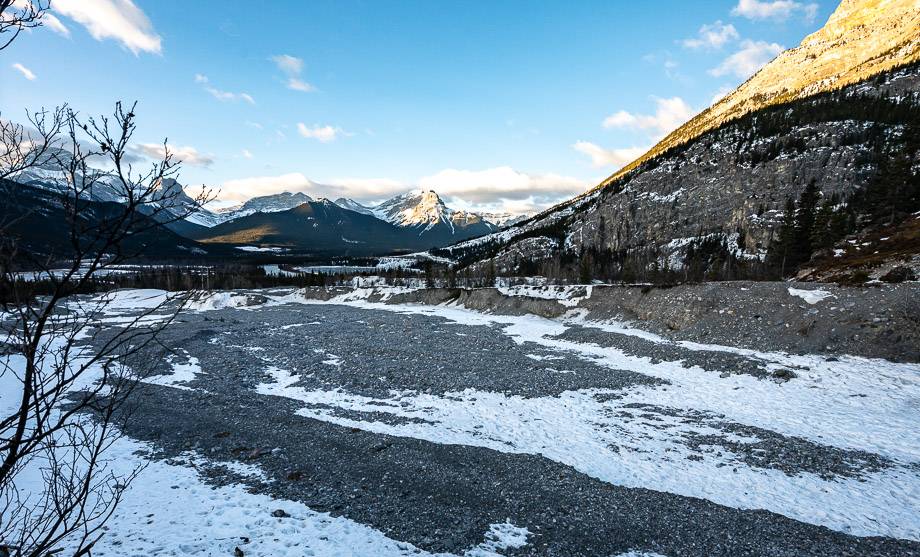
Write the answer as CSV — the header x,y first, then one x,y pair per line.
x,y
179,374
169,510
501,536
811,296
569,296
218,300
261,249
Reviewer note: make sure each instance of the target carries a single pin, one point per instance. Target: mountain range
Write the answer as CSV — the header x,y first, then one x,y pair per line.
x,y
414,221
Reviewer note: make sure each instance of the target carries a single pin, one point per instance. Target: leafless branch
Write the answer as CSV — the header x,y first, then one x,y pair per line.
x,y
16,15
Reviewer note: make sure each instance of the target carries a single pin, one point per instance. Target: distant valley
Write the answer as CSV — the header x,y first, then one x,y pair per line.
x,y
289,221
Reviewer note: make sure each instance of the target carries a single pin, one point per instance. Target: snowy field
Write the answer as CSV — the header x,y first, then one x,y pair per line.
x,y
418,430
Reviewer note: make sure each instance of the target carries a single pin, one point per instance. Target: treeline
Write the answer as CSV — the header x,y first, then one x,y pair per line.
x,y
229,277
812,225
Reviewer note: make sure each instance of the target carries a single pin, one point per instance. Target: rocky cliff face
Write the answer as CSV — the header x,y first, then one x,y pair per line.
x,y
737,179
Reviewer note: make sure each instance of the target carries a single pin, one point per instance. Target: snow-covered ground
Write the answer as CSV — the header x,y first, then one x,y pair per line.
x,y
851,404
642,437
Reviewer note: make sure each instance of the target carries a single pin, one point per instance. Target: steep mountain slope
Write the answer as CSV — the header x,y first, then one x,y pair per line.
x,y
862,38
37,220
317,226
262,204
353,205
725,190
51,177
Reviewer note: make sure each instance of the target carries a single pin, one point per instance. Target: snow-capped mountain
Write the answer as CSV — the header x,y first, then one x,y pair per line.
x,y
426,211
262,204
416,208
413,221
50,176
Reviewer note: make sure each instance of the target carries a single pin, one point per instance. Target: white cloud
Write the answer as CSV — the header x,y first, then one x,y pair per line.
x,y
779,10
244,188
499,184
26,72
120,20
669,114
220,94
324,134
617,158
367,189
745,63
188,155
713,35
51,21
292,67
247,154
300,85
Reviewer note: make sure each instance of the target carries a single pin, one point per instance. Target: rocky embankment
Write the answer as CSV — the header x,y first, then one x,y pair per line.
x,y
880,321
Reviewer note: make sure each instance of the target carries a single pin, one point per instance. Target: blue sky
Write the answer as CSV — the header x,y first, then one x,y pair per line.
x,y
496,105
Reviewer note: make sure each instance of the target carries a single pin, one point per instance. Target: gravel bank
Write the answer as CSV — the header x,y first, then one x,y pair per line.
x,y
879,321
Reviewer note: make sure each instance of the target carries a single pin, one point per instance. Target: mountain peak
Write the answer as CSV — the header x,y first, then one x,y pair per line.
x,y
415,208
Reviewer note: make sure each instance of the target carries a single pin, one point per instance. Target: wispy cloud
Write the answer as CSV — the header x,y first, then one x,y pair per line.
x,y
187,155
292,67
744,63
300,85
247,154
324,134
601,157
220,94
713,35
120,20
288,64
669,114
51,21
779,10
26,72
